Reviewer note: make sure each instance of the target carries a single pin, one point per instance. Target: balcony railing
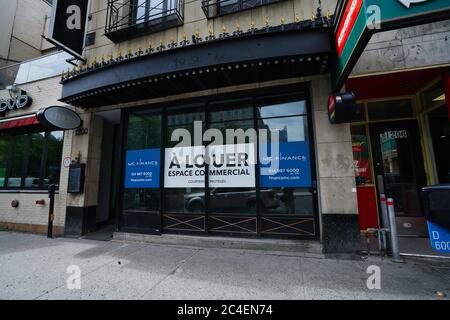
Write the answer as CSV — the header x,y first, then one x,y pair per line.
x,y
127,19
215,8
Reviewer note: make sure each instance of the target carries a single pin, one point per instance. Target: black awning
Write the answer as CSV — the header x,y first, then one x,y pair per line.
x,y
234,60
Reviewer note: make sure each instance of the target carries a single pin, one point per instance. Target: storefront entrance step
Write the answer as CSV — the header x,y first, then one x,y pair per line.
x,y
304,248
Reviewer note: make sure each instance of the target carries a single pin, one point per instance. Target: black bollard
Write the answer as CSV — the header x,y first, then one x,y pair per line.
x,y
51,215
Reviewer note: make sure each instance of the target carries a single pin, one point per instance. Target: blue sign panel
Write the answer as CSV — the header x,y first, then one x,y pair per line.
x,y
142,169
439,237
289,167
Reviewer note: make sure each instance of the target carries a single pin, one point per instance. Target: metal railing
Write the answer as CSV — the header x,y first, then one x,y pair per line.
x,y
215,8
127,19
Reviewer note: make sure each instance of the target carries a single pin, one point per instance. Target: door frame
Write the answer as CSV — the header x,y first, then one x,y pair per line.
x,y
418,162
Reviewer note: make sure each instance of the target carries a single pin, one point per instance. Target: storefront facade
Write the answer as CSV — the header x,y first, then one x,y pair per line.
x,y
31,158
400,135
216,123
230,195
276,84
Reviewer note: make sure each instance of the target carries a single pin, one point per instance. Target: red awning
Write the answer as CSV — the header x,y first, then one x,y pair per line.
x,y
17,122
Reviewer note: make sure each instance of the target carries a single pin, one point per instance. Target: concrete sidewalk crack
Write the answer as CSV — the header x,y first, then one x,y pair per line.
x,y
172,272
303,280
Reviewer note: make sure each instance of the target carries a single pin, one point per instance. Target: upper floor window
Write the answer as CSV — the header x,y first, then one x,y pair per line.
x,y
135,18
145,10
214,8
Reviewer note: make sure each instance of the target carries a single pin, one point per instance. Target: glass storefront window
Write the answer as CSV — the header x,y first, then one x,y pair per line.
x,y
285,185
4,151
232,199
16,166
440,134
289,129
361,159
360,115
283,109
144,131
184,200
298,201
35,161
395,109
55,141
143,149
33,176
229,193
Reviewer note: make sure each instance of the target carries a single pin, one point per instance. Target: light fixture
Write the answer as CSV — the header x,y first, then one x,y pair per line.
x,y
440,98
13,91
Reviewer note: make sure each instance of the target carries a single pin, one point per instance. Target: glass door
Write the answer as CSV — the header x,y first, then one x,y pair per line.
x,y
400,173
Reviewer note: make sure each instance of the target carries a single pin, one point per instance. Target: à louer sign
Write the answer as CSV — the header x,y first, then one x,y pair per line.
x,y
358,20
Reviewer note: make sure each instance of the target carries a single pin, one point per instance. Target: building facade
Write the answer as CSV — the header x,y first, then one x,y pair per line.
x,y
23,22
180,64
211,118
401,81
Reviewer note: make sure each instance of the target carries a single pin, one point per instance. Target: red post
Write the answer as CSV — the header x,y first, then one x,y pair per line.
x,y
446,80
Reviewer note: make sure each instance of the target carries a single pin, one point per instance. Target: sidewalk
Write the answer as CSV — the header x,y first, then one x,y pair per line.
x,y
34,267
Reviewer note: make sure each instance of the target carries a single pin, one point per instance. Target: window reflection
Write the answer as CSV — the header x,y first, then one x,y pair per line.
x,y
286,200
289,120
55,144
33,178
289,129
144,132
16,166
233,200
283,109
35,162
4,150
440,134
184,200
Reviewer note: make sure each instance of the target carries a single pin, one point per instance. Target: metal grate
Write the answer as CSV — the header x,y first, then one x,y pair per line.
x,y
215,8
127,19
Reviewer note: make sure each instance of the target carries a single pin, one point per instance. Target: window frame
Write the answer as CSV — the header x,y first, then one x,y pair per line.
x,y
11,136
212,103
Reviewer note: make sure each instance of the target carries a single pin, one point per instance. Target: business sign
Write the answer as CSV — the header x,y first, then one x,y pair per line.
x,y
439,237
289,167
351,13
142,169
358,20
21,101
230,166
68,25
59,118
